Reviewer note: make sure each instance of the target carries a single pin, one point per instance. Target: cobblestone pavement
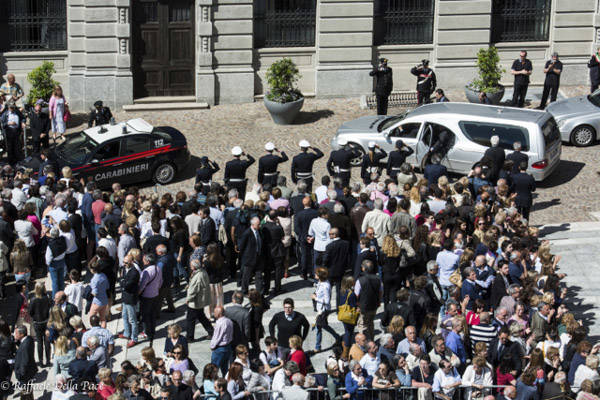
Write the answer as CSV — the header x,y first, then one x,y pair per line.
x,y
568,195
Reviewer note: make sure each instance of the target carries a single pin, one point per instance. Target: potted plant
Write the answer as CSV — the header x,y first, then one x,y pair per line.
x,y
489,77
283,100
42,83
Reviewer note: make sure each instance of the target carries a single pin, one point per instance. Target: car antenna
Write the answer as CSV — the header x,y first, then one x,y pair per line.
x,y
102,129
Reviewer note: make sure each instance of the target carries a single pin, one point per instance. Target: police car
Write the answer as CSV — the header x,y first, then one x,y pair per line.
x,y
128,152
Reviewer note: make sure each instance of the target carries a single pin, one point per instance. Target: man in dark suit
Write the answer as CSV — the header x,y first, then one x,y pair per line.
x,y
39,125
470,287
155,239
523,185
336,259
500,346
296,200
434,170
366,252
500,284
251,249
61,300
517,157
496,156
207,228
240,316
433,287
25,367
273,234
81,369
301,225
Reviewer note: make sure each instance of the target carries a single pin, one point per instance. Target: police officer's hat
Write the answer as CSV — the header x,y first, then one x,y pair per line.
x,y
236,151
98,104
425,61
371,144
269,146
342,141
383,60
204,160
399,144
304,144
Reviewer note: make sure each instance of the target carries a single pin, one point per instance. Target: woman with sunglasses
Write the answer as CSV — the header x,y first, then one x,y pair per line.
x,y
242,358
180,362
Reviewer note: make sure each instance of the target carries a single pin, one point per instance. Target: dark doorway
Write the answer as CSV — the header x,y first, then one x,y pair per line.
x,y
163,48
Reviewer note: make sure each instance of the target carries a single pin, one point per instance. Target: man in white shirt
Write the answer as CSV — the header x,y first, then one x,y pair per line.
x,y
318,234
107,242
193,220
296,391
370,361
321,191
18,197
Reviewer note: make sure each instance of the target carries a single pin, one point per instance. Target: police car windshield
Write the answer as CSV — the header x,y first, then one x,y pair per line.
x,y
76,148
390,121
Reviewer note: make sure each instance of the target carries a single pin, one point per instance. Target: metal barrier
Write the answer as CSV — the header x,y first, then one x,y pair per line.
x,y
396,99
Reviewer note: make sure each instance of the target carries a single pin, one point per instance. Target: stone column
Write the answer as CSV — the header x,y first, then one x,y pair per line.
x,y
463,27
205,74
344,46
99,53
232,51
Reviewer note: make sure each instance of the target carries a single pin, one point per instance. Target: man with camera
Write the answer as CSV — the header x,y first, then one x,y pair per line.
x,y
552,69
383,85
426,82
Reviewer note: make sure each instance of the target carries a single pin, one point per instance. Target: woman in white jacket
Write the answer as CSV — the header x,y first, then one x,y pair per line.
x,y
477,376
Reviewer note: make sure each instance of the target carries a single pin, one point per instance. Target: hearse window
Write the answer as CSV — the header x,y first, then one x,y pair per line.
x,y
136,144
108,151
481,132
551,132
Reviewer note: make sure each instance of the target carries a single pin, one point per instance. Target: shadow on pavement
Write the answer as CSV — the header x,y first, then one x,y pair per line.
x,y
583,312
308,117
565,172
548,230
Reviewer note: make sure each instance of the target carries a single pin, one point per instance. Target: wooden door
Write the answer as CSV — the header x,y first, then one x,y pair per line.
x,y
163,48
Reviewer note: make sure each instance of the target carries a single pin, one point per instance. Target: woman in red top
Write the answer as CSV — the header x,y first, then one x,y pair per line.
x,y
297,354
504,373
106,387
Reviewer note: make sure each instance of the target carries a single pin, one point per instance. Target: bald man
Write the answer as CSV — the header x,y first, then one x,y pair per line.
x,y
166,264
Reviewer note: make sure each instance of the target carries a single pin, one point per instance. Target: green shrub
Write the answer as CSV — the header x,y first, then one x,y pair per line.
x,y
41,82
281,76
490,72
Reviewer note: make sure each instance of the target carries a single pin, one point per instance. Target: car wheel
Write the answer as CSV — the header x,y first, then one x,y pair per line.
x,y
357,161
164,173
583,136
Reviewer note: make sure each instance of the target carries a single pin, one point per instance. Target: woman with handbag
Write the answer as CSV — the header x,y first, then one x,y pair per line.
x,y
59,112
348,313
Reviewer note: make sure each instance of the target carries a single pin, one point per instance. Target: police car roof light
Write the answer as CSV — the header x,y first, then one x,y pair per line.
x,y
124,131
102,129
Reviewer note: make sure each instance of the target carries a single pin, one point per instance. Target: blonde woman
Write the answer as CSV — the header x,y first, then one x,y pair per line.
x,y
392,276
396,328
56,323
57,107
62,356
21,261
67,175
415,201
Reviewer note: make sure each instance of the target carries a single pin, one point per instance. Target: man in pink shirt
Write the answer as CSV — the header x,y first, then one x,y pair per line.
x,y
97,209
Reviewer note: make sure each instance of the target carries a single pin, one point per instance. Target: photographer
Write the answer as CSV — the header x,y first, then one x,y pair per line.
x,y
383,85
552,69
426,82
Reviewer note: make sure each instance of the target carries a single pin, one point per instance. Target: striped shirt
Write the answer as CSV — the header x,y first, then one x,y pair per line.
x,y
482,333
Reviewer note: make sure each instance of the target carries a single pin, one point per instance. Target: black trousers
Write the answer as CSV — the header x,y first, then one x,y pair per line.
x,y
42,341
344,178
519,93
382,105
278,268
305,258
194,315
595,85
12,145
164,294
524,211
231,258
240,186
423,98
39,143
247,271
549,89
148,307
270,180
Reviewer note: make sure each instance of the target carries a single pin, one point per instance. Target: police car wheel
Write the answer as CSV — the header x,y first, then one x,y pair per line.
x,y
360,152
164,173
583,136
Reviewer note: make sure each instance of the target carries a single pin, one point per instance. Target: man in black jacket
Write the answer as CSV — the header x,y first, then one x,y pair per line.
x,y
517,157
39,125
496,156
369,292
25,366
500,284
240,316
594,66
336,259
207,228
366,252
383,85
499,347
273,234
301,225
523,185
81,369
155,239
399,307
166,264
433,287
288,323
251,248
130,285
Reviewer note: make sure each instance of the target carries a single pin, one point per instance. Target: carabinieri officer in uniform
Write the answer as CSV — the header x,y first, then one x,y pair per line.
x,y
397,158
370,163
302,164
205,173
339,163
267,165
235,171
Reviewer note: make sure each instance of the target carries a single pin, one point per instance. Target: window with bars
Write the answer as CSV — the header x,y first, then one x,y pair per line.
x,y
403,22
284,23
33,25
520,20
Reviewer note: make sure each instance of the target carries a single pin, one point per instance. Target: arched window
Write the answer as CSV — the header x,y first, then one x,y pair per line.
x,y
403,21
284,23
33,25
520,20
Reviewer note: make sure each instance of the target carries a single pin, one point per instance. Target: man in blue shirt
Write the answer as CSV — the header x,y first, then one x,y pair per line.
x,y
455,343
447,262
515,268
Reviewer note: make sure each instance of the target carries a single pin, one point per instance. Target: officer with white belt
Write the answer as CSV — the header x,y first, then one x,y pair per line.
x,y
235,171
371,162
302,164
267,165
339,164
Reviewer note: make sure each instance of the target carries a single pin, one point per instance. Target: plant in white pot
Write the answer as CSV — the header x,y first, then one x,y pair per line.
x,y
283,100
488,79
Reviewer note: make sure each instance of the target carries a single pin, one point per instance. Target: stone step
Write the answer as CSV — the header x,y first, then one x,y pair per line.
x,y
165,106
165,99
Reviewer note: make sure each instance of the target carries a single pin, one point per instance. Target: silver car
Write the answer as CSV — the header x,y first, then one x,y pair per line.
x,y
470,127
578,118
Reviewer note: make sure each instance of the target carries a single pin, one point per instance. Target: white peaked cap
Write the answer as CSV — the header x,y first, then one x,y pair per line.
x,y
304,143
269,146
236,151
371,144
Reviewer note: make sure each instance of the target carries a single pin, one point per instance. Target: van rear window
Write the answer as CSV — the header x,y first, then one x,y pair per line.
x,y
481,132
551,132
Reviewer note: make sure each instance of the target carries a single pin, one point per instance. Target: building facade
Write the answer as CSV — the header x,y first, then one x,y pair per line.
x,y
218,51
